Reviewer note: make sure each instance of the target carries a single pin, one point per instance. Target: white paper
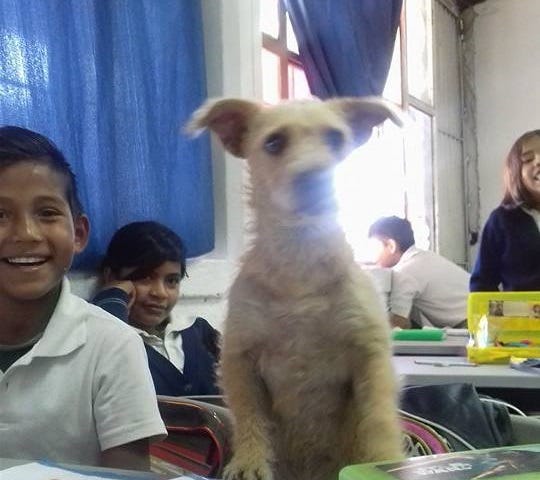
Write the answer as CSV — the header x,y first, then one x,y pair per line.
x,y
457,332
183,477
37,471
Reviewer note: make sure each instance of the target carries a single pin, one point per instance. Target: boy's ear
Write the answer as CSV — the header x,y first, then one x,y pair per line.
x,y
82,232
391,245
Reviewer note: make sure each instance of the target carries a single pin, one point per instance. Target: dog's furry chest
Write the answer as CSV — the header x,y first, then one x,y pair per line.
x,y
304,355
305,348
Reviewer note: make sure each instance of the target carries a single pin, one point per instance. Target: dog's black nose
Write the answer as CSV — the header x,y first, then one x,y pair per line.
x,y
314,192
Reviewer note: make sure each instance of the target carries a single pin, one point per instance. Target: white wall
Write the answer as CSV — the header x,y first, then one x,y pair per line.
x,y
507,68
233,53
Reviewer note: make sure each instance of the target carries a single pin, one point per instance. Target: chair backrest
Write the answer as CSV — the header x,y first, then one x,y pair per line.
x,y
452,418
199,435
420,439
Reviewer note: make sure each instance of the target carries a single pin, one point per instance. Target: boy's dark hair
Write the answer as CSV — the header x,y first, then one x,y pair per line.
x,y
143,246
515,192
19,144
398,229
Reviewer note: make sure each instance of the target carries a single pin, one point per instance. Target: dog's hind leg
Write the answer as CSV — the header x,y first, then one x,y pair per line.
x,y
247,399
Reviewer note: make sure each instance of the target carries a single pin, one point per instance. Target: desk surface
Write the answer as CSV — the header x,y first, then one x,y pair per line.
x,y
90,470
455,346
489,376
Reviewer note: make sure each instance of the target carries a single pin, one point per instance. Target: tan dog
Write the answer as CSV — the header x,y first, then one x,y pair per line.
x,y
306,364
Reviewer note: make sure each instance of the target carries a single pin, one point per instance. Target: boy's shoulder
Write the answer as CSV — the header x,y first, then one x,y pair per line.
x,y
76,325
97,318
73,313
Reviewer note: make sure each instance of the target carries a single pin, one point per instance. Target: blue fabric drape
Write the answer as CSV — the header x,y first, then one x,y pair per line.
x,y
112,82
345,45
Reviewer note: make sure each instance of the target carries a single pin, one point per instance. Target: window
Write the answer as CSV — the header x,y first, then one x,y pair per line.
x,y
283,74
392,173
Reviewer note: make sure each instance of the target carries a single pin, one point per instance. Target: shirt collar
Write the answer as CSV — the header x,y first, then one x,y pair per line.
x,y
408,254
66,330
532,212
177,323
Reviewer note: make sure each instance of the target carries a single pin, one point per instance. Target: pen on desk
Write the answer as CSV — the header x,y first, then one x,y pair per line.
x,y
444,364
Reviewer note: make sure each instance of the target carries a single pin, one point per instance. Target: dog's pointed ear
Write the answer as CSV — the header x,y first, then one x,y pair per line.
x,y
364,113
228,118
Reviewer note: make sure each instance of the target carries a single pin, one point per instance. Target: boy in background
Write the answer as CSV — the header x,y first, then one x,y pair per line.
x,y
427,289
74,381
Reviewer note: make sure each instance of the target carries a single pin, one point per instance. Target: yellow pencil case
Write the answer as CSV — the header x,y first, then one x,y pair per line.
x,y
503,325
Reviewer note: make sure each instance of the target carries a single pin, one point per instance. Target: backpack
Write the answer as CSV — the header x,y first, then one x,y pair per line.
x,y
199,436
452,418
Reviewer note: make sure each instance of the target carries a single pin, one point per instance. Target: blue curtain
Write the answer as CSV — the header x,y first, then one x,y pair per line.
x,y
345,45
112,82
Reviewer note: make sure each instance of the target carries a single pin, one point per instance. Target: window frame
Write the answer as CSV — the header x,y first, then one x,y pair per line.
x,y
278,46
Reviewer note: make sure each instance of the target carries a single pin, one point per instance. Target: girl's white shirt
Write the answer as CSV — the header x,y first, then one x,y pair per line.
x,y
535,214
170,346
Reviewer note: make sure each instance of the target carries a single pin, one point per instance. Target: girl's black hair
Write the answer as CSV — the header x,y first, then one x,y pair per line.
x,y
19,144
143,246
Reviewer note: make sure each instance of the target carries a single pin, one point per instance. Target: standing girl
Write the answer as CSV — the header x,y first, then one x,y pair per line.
x,y
509,254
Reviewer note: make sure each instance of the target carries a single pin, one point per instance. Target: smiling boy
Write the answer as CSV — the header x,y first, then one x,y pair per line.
x,y
74,382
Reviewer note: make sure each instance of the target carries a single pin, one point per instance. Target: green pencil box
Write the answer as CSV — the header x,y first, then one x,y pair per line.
x,y
425,334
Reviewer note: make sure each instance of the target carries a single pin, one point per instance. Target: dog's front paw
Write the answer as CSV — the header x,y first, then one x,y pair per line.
x,y
238,469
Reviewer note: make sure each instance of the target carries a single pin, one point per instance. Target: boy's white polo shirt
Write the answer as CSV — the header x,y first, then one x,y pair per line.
x,y
84,387
436,288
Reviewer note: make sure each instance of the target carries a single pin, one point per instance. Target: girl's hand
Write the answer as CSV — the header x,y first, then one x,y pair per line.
x,y
126,285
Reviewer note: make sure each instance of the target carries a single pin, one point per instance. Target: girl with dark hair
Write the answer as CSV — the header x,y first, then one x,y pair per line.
x,y
509,254
142,270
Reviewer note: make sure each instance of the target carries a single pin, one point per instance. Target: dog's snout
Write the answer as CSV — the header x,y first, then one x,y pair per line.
x,y
314,192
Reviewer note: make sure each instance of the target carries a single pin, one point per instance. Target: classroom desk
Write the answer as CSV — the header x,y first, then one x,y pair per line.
x,y
454,346
519,388
490,376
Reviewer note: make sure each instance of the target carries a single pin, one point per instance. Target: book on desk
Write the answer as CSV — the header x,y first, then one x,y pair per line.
x,y
507,463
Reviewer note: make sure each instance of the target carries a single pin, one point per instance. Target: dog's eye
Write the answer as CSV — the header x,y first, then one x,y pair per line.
x,y
334,139
275,143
